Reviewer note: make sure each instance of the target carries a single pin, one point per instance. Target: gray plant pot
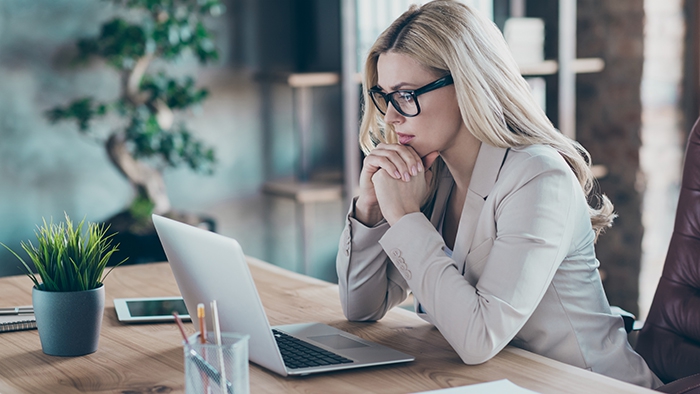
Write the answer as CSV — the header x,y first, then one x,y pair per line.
x,y
69,322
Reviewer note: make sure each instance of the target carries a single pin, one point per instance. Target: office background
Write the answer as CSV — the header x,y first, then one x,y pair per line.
x,y
633,116
48,169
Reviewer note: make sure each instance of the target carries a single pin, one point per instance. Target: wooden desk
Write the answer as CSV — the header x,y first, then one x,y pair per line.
x,y
148,358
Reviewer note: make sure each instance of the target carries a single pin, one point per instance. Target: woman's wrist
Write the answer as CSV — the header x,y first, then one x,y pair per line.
x,y
367,213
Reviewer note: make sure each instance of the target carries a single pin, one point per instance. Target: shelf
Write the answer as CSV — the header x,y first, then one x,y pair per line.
x,y
313,79
599,171
301,80
547,67
551,67
302,194
588,65
305,192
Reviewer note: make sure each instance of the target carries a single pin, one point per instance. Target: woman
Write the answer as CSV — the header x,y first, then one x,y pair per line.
x,y
470,199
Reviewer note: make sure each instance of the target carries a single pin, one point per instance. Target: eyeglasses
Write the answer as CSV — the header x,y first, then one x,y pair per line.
x,y
405,101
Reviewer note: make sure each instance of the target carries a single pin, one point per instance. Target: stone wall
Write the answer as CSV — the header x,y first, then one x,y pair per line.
x,y
608,124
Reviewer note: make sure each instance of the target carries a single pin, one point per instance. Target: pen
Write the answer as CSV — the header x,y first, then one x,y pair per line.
x,y
217,332
200,362
18,310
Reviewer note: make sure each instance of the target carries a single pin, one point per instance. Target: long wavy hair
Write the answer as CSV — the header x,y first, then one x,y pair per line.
x,y
495,101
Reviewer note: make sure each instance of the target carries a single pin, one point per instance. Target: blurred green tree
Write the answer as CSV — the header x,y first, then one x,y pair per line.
x,y
150,139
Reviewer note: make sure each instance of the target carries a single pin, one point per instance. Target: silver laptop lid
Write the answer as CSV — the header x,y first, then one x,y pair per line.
x,y
207,265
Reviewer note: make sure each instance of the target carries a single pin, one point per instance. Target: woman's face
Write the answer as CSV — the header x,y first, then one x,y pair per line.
x,y
439,122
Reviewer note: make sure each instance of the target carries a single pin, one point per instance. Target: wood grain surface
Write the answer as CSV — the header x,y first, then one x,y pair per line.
x,y
148,358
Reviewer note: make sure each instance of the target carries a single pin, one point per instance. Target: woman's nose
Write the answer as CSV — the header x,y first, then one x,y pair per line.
x,y
392,115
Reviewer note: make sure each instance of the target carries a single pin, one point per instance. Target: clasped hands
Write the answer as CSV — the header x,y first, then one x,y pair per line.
x,y
393,182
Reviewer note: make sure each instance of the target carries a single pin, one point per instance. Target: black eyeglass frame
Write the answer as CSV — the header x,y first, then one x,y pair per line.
x,y
389,97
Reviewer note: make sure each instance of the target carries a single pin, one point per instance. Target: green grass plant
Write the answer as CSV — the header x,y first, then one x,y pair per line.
x,y
66,257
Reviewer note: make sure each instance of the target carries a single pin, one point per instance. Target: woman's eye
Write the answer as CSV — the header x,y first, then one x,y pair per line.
x,y
405,96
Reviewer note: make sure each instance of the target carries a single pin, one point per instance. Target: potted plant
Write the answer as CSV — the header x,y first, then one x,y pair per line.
x,y
68,294
150,134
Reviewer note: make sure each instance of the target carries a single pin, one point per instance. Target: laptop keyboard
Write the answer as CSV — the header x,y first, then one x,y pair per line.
x,y
299,354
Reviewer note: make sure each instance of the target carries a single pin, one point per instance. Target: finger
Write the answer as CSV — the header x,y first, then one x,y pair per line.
x,y
397,161
411,158
408,155
380,176
430,158
377,161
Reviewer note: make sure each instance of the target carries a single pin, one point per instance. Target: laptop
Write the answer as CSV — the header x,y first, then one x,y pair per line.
x,y
208,266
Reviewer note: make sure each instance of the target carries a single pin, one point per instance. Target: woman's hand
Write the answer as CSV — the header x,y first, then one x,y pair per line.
x,y
397,198
399,162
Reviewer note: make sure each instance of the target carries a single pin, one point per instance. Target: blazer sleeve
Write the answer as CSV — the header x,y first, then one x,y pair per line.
x,y
369,284
533,216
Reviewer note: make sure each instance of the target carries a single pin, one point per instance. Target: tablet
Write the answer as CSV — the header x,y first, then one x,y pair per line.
x,y
150,309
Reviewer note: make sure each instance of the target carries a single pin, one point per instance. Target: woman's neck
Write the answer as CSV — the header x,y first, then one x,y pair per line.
x,y
460,159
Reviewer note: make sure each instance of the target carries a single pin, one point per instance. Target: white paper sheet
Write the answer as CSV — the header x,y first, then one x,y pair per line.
x,y
496,387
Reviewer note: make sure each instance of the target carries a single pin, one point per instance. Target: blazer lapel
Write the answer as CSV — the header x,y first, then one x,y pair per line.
x,y
486,169
443,192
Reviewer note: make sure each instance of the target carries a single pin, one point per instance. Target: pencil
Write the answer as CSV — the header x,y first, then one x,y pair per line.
x,y
206,370
202,324
181,327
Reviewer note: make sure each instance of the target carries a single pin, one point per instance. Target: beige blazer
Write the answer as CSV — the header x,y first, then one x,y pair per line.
x,y
523,270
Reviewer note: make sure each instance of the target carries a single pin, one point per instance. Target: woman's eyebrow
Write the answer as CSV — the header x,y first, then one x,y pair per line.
x,y
396,87
399,85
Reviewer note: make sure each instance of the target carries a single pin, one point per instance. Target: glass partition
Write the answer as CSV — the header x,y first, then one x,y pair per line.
x,y
373,16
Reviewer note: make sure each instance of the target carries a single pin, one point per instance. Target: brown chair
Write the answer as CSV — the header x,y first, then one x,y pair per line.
x,y
670,338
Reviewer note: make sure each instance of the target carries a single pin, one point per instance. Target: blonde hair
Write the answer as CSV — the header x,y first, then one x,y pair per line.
x,y
495,101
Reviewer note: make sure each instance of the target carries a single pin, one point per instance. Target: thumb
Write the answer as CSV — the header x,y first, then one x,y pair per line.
x,y
429,159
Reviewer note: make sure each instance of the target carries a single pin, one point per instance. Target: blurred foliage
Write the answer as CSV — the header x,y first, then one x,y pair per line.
x,y
167,30
140,209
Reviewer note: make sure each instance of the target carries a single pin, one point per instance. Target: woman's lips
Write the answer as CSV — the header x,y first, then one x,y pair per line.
x,y
404,138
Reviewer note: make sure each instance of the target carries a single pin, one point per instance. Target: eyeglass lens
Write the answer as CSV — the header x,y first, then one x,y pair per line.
x,y
403,101
406,101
